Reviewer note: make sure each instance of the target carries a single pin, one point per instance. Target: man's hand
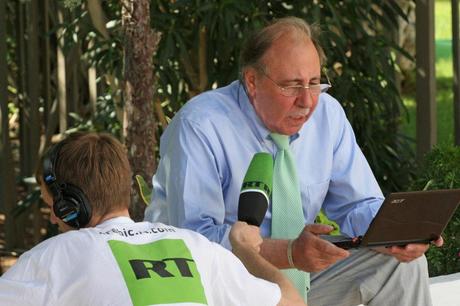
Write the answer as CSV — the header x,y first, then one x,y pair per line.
x,y
245,237
246,241
311,253
410,251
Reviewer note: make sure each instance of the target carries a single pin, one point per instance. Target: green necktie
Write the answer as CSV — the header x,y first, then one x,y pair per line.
x,y
287,214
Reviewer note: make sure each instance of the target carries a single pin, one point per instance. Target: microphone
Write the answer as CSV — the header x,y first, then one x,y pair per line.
x,y
256,190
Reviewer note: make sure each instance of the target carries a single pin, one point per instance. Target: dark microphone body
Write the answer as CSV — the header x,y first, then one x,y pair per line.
x,y
256,189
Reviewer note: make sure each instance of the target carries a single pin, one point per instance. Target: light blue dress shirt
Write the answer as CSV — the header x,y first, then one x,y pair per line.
x,y
207,148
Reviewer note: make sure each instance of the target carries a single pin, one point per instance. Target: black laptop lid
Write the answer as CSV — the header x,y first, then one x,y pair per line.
x,y
411,217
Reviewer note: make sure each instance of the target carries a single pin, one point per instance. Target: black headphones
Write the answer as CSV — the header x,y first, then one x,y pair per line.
x,y
69,202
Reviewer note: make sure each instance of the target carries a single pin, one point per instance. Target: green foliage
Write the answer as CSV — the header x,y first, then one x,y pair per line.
x,y
105,118
225,24
97,50
441,170
145,190
443,13
444,104
71,4
364,82
444,73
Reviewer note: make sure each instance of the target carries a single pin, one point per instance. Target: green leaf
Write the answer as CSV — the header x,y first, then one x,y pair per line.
x,y
144,189
321,218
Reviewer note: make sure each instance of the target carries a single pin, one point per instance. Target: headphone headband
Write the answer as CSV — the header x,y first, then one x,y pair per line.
x,y
49,167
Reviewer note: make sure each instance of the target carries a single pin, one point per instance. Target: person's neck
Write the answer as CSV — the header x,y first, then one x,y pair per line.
x,y
95,220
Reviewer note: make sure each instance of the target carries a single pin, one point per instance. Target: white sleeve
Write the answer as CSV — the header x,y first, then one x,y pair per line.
x,y
237,286
26,283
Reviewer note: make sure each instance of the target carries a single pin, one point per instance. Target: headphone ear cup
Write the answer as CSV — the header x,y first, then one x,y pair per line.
x,y
72,207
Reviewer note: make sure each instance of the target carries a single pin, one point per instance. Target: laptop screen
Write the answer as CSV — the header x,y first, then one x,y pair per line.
x,y
411,217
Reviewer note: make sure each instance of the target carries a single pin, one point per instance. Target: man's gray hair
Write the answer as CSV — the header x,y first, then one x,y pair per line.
x,y
260,41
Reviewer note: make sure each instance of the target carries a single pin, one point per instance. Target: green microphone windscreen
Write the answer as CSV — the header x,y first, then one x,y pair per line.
x,y
256,189
260,173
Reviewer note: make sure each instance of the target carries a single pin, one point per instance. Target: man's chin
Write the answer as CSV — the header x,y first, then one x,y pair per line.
x,y
290,126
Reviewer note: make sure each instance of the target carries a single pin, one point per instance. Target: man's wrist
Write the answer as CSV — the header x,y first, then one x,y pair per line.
x,y
289,254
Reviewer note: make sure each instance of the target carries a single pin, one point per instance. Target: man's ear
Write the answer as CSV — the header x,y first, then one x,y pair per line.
x,y
249,78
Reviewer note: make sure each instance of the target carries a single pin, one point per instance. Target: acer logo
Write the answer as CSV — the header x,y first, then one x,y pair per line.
x,y
397,201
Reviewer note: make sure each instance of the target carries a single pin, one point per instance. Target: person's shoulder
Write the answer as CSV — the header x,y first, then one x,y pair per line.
x,y
69,238
210,104
181,233
328,110
329,103
45,250
52,242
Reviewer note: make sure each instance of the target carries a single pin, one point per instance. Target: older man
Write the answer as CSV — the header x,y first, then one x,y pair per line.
x,y
280,106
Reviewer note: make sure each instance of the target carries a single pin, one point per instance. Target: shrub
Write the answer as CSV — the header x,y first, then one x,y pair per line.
x,y
440,169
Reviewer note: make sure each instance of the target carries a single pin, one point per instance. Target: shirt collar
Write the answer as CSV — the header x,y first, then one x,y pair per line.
x,y
115,221
250,113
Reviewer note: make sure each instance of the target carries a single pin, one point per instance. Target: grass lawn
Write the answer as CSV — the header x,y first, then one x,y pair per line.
x,y
444,94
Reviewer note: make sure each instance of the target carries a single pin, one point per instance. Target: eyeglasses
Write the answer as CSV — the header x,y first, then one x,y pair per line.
x,y
297,90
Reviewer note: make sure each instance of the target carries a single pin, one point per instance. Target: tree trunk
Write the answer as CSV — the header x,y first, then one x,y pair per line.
x,y
92,86
7,181
140,44
33,116
61,75
46,74
17,240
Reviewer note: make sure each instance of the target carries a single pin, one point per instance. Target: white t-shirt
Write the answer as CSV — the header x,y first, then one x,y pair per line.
x,y
120,262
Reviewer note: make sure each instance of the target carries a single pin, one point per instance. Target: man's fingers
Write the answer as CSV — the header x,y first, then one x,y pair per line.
x,y
409,252
318,229
403,258
335,252
438,242
311,253
327,256
320,265
328,252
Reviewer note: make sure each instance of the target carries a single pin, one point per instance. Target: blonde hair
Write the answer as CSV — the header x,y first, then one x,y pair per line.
x,y
98,164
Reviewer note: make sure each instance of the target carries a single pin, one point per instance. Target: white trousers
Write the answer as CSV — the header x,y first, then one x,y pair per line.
x,y
370,278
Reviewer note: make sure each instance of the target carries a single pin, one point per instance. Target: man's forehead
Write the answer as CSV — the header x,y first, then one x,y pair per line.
x,y
298,71
284,49
292,38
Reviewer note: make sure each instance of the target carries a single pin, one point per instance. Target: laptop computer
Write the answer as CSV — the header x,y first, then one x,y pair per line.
x,y
406,217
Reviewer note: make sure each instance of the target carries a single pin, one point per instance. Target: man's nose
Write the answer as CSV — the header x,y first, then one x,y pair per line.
x,y
305,99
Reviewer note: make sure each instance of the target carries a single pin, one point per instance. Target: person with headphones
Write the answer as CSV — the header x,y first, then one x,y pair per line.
x,y
105,258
